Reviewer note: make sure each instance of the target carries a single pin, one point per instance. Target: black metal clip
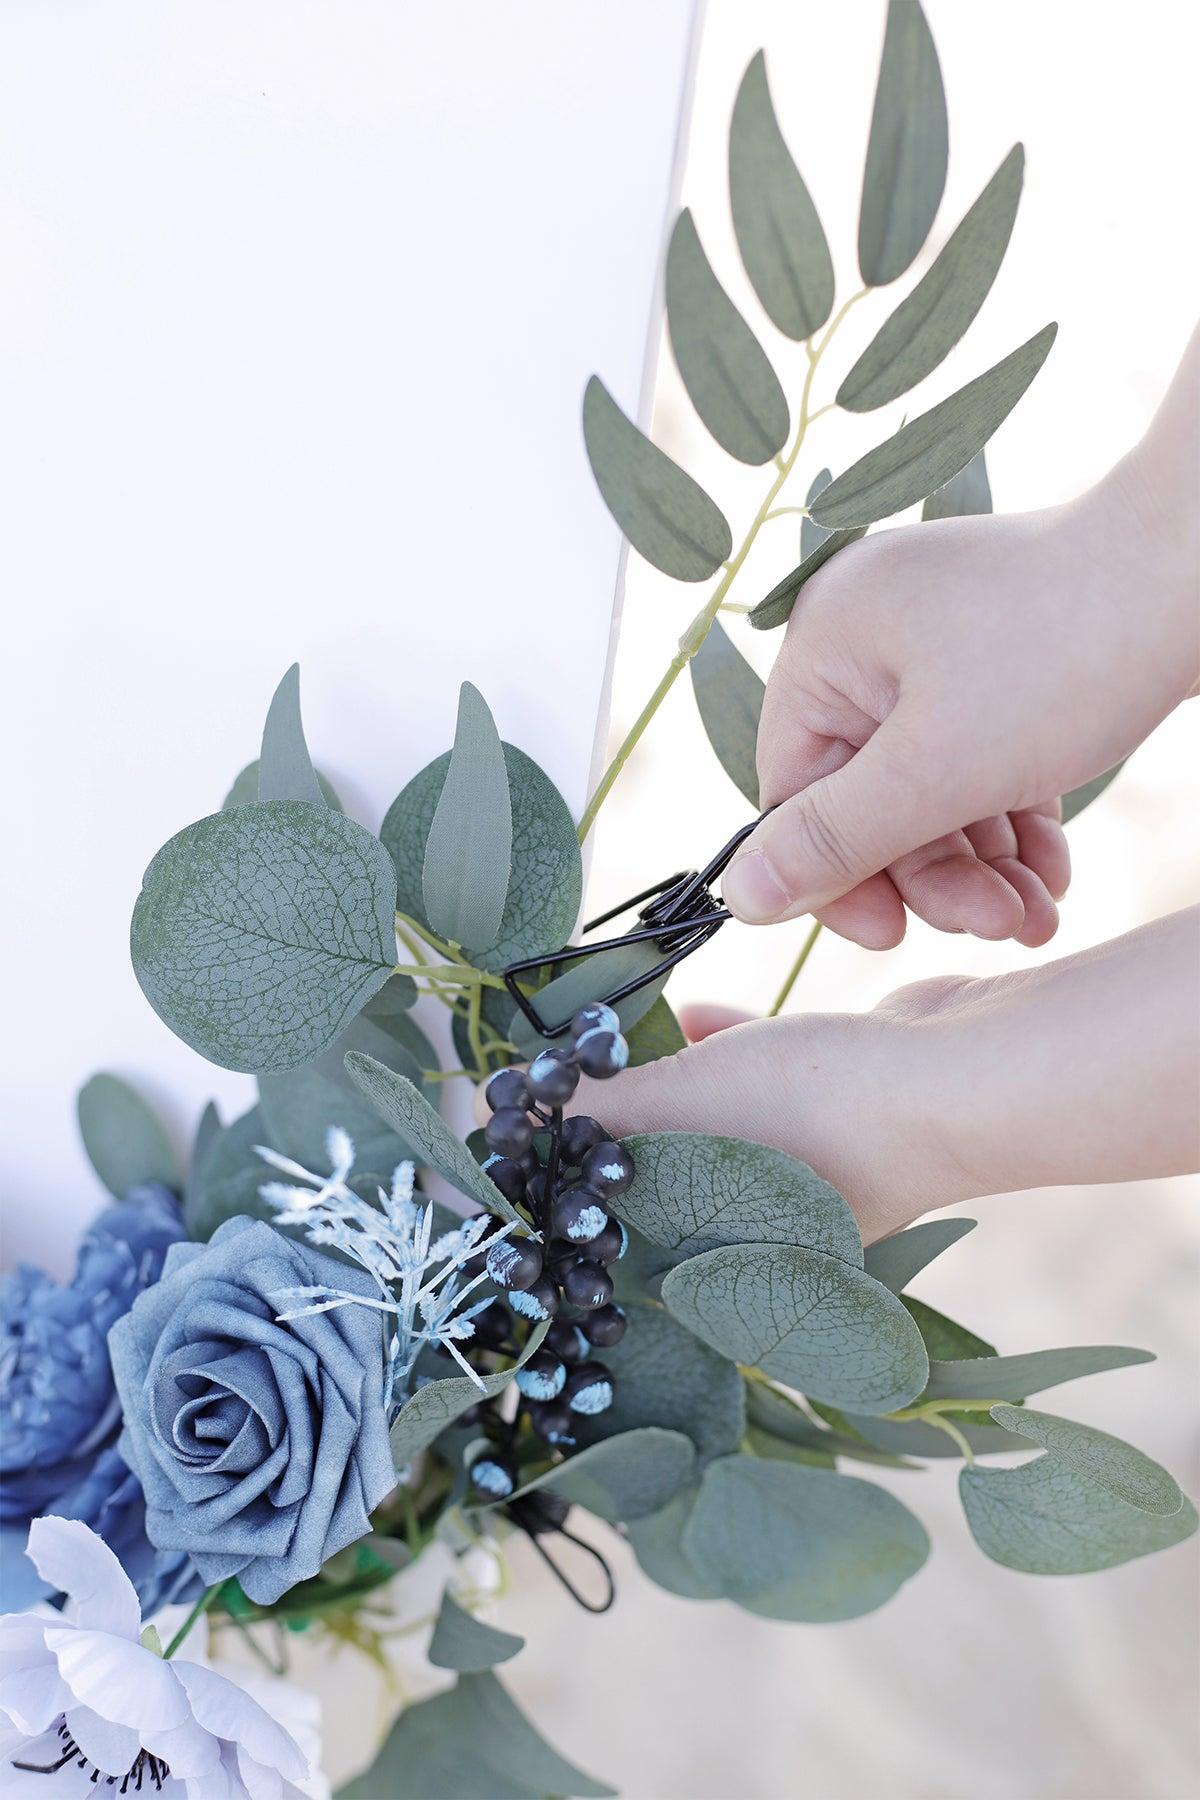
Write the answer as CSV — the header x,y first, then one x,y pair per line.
x,y
684,915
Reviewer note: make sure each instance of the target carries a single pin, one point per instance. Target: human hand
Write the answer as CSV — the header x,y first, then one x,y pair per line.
x,y
1082,1070
940,686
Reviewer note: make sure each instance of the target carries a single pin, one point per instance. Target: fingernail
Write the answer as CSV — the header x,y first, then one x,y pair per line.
x,y
752,889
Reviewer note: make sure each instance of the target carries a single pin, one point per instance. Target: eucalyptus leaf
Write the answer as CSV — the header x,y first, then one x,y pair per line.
x,y
725,370
812,535
244,791
811,1321
789,1542
592,978
468,852
412,1118
927,324
208,1133
463,1642
663,1377
773,1413
285,770
965,495
125,1141
916,1437
228,1179
1096,1457
1044,1518
1074,802
656,1034
759,1442
298,1109
624,1477
439,1403
730,696
667,517
259,933
693,1192
473,1743
782,245
926,452
776,608
656,1542
945,1339
546,884
897,1260
1013,1377
907,151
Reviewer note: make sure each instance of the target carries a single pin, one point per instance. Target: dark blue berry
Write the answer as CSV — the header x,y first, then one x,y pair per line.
x,y
552,1077
494,1474
611,1244
493,1326
578,1136
514,1264
509,1132
604,1327
596,1016
542,1377
508,1176
608,1168
566,1341
589,1389
578,1215
507,1088
587,1286
535,1303
602,1053
554,1423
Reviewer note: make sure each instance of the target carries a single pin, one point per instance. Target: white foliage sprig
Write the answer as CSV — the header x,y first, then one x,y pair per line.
x,y
419,1277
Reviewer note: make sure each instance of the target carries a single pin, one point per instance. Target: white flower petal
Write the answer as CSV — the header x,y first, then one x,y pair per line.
x,y
43,1752
70,1556
33,1698
228,1712
261,1783
120,1681
113,1748
189,1749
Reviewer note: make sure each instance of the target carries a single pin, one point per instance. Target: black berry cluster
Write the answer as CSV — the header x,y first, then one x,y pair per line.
x,y
561,1174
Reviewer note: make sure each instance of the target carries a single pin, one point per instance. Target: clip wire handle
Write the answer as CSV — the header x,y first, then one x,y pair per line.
x,y
682,915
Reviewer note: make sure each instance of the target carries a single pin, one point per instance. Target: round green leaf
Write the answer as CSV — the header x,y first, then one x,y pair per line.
x,y
463,1642
926,452
667,517
926,326
259,933
656,1542
779,234
791,1542
624,1477
125,1141
908,149
546,882
725,370
693,1192
729,695
1046,1519
655,1035
1096,1457
808,1320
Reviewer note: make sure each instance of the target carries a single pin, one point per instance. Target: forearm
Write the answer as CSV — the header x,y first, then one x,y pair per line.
x,y
1085,1070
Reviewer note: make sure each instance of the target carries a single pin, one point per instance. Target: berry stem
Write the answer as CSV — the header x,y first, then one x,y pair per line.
x,y
698,630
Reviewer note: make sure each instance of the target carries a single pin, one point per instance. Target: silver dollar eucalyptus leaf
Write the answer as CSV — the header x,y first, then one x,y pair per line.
x,y
1044,1518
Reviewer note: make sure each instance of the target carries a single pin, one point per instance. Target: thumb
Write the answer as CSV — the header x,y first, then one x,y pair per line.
x,y
838,831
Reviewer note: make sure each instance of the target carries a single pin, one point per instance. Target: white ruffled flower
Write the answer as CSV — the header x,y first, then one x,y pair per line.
x,y
82,1698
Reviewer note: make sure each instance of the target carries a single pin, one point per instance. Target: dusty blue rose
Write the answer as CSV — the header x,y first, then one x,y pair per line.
x,y
59,1413
262,1447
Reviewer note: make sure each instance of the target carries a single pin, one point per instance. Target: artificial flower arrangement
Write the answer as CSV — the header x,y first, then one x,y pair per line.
x,y
283,1374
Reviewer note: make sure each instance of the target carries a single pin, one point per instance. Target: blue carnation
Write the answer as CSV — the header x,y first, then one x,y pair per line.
x,y
60,1417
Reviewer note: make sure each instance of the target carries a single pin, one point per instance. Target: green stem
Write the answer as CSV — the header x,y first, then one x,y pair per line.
x,y
698,630
201,1607
952,1431
781,998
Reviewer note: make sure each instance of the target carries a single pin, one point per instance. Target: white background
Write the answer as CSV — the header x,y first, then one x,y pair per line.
x,y
299,301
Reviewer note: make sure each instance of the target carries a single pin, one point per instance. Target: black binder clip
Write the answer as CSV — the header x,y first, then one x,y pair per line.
x,y
682,915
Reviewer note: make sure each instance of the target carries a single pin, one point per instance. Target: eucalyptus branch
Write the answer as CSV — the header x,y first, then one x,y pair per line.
x,y
781,998
698,630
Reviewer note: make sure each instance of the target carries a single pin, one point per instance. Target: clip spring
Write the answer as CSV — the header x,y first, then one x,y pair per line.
x,y
682,915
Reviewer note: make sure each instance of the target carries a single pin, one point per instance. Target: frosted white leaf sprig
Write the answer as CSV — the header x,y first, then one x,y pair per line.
x,y
421,1278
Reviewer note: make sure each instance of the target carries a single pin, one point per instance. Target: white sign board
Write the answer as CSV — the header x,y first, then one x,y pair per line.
x,y
299,302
